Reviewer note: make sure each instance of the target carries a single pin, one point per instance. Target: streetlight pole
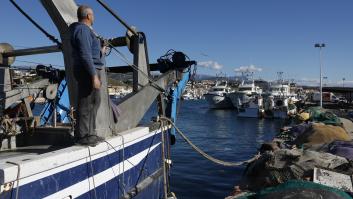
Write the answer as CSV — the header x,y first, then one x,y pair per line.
x,y
318,45
343,79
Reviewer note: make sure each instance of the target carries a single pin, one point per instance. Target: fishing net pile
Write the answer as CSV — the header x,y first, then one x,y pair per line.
x,y
317,141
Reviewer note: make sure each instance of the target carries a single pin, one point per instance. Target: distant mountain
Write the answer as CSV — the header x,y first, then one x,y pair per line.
x,y
200,77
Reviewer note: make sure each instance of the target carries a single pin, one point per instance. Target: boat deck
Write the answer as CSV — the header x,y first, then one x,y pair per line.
x,y
26,151
42,158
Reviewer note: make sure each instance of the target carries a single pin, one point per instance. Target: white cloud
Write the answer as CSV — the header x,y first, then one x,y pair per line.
x,y
250,68
210,64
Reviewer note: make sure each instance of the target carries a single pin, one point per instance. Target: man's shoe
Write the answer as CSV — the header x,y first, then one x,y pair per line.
x,y
90,140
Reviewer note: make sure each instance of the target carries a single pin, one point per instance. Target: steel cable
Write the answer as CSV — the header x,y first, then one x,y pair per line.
x,y
133,66
51,37
204,154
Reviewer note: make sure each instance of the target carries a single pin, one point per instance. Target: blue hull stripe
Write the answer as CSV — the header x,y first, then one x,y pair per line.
x,y
115,188
56,182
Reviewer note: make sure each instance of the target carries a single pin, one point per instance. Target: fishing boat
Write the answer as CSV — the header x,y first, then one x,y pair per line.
x,y
38,154
247,91
217,96
253,108
279,101
249,88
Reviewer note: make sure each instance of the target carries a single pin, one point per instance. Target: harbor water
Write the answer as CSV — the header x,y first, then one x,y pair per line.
x,y
221,134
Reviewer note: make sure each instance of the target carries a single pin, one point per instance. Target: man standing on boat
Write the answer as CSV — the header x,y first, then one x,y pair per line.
x,y
88,59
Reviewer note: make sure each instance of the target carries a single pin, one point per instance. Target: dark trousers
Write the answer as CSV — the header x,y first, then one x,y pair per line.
x,y
88,102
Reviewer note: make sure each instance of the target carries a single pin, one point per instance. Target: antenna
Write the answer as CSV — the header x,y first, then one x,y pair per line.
x,y
280,76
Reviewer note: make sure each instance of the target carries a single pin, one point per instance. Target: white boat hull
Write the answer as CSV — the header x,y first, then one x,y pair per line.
x,y
111,169
218,102
238,98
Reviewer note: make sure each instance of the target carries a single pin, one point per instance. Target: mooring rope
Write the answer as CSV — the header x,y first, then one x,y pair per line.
x,y
204,154
92,173
165,184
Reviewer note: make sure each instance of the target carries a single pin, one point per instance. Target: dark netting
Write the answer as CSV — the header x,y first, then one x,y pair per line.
x,y
297,189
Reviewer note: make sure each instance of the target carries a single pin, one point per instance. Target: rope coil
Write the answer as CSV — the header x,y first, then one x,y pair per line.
x,y
204,154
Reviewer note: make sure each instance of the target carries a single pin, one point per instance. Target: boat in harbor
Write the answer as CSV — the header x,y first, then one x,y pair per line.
x,y
247,91
188,96
38,154
249,88
279,101
117,94
252,109
217,96
189,93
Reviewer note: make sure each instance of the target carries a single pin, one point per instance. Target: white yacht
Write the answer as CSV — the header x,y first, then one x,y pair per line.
x,y
116,94
217,96
188,96
247,90
253,108
279,101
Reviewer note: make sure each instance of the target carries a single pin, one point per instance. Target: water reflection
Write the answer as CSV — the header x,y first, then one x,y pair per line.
x,y
260,131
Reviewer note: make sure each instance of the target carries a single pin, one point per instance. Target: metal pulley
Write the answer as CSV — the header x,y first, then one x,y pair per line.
x,y
51,91
5,48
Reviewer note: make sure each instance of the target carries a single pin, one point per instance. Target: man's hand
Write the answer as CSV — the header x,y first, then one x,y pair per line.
x,y
104,50
96,82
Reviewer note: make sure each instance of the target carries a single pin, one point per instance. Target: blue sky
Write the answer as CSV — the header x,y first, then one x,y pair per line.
x,y
274,35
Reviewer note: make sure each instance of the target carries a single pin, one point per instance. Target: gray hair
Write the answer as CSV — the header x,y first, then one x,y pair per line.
x,y
82,12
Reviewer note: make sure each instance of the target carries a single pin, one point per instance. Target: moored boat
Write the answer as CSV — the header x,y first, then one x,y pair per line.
x,y
217,96
246,91
39,155
253,108
279,101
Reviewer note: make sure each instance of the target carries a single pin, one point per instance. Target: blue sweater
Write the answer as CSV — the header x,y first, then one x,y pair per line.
x,y
86,51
